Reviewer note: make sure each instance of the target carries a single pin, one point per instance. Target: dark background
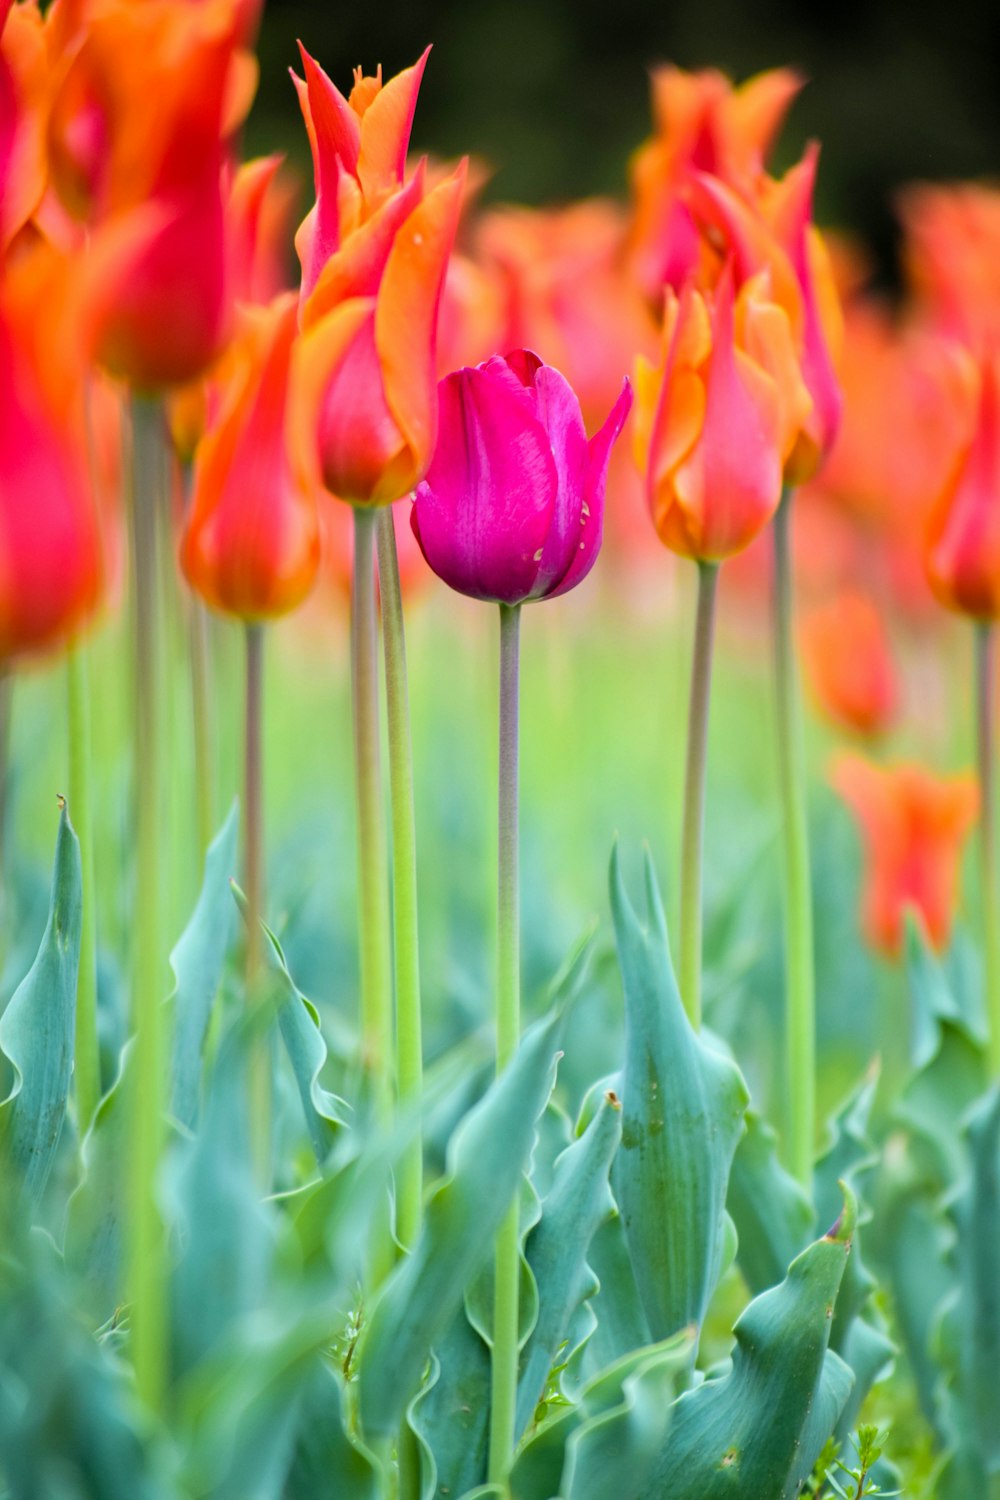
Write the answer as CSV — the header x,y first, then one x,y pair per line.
x,y
554,93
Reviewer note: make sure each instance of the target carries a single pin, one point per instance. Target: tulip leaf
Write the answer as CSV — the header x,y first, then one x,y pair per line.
x,y
486,1159
773,1216
38,1027
682,1116
758,1429
450,1416
604,1446
576,1204
95,1219
617,1307
329,1463
197,961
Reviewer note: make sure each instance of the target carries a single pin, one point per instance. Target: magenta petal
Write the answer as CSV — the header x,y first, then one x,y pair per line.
x,y
483,512
592,515
559,412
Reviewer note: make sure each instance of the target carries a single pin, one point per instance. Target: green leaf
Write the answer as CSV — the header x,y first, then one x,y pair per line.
x,y
682,1116
773,1216
604,1446
576,1204
329,1463
621,1318
38,1027
421,1296
756,1430
95,1216
451,1414
197,961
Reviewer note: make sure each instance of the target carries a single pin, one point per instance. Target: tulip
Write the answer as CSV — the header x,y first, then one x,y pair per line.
x,y
251,538
849,664
716,421
914,825
703,124
512,508
23,83
963,542
951,251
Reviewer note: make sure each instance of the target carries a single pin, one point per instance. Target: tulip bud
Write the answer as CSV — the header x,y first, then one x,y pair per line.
x,y
251,541
512,507
913,824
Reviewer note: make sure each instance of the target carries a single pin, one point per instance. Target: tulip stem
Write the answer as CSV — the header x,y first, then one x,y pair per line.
x,y
799,963
694,792
146,1248
985,709
508,1031
86,1054
6,704
409,1045
204,767
373,877
253,849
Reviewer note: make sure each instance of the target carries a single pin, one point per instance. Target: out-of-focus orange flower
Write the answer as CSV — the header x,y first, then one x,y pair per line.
x,y
51,563
137,140
913,824
337,563
848,664
472,320
963,541
23,86
251,539
717,420
702,124
774,231
567,296
952,255
374,251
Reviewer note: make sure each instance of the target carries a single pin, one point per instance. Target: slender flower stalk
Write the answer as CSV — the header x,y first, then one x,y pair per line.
x,y
985,710
373,880
409,1045
6,696
799,971
508,1030
146,1249
86,1055
694,793
253,847
201,718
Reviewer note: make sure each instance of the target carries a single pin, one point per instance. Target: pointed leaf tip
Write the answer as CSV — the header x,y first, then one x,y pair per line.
x,y
842,1229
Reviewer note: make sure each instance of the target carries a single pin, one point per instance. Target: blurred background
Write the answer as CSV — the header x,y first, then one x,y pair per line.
x,y
553,94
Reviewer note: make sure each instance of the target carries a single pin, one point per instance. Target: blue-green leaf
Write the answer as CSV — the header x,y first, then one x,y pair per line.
x,y
329,1463
423,1293
773,1216
197,960
451,1414
682,1116
38,1027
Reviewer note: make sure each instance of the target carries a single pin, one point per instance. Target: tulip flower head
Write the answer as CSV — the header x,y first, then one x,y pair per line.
x,y
849,665
914,825
718,418
251,542
374,252
512,507
963,544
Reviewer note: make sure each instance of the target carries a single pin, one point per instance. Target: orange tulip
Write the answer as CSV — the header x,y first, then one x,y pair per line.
x,y
952,254
374,251
23,85
716,422
703,124
913,824
251,539
773,230
848,664
51,564
963,543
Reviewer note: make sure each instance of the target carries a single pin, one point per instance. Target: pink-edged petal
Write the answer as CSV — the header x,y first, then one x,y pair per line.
x,y
559,412
592,509
336,128
483,513
355,269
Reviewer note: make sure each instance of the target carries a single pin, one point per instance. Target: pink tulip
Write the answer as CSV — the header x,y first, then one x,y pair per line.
x,y
512,507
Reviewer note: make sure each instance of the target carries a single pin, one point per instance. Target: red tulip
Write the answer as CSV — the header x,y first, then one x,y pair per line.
x,y
963,544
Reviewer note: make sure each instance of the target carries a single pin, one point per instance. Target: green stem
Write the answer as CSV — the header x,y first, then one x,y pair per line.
x,y
146,1250
201,714
985,710
508,1030
86,1057
800,1001
253,849
373,876
6,702
694,793
409,1045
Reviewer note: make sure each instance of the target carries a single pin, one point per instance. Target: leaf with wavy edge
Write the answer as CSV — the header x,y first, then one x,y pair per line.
x,y
682,1115
38,1027
486,1160
773,1216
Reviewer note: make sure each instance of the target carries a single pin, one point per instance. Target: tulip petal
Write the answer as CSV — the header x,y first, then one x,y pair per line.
x,y
385,130
592,509
482,514
355,268
406,318
559,412
319,353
